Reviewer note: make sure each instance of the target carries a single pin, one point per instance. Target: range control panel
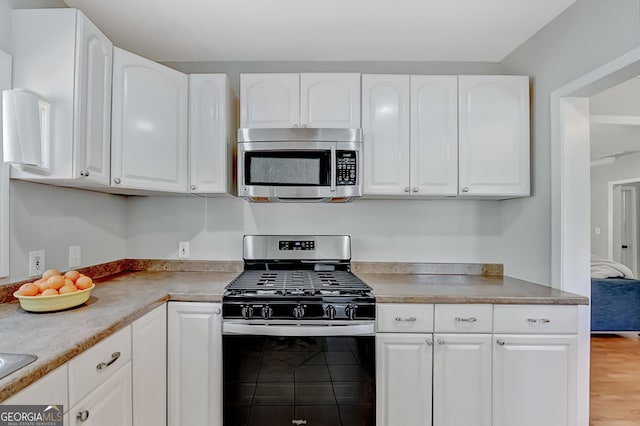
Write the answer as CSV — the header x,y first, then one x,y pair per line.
x,y
346,168
297,245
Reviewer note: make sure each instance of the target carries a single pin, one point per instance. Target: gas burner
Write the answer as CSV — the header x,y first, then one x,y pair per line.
x,y
281,283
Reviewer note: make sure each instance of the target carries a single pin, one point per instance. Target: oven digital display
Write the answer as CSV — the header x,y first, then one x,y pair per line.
x,y
297,245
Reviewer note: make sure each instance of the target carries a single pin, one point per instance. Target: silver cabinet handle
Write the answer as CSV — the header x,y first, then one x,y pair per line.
x,y
117,181
114,358
539,320
217,311
441,341
304,126
465,189
500,342
470,319
193,187
410,319
415,189
406,189
429,342
82,415
84,173
295,126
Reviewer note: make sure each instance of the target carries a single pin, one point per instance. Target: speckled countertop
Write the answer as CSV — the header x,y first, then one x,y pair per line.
x,y
120,299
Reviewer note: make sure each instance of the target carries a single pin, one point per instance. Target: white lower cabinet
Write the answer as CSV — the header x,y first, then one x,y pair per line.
x,y
194,337
109,404
462,379
484,365
534,380
403,379
149,369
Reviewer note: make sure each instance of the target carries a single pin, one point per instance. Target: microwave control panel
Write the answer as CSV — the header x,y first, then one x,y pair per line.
x,y
347,171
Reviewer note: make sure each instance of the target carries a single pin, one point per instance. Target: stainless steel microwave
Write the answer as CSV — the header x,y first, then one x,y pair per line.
x,y
299,165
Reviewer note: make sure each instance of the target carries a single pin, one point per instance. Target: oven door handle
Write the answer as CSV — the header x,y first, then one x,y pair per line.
x,y
334,159
299,330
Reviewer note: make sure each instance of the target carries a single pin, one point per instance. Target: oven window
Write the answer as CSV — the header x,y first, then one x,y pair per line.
x,y
272,380
288,168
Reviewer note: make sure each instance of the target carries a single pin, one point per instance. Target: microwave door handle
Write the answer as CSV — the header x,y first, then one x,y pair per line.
x,y
333,168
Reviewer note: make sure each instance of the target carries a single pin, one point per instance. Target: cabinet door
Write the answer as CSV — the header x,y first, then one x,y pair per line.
x,y
403,379
434,135
534,380
209,133
462,379
5,83
194,364
269,100
149,375
494,136
385,123
92,106
109,404
149,140
330,100
51,389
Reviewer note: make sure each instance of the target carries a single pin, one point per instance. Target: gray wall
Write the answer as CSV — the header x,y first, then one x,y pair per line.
x,y
588,34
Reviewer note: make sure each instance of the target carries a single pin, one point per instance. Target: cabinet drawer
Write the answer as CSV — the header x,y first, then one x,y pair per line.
x,y
405,318
463,318
535,319
97,364
51,389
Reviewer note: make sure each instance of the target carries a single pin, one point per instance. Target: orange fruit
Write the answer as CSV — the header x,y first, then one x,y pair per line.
x,y
83,282
55,281
72,275
50,273
28,289
67,289
42,285
50,292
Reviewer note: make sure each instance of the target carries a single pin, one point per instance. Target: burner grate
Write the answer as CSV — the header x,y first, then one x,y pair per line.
x,y
297,282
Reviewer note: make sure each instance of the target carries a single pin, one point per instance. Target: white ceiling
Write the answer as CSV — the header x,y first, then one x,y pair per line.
x,y
321,30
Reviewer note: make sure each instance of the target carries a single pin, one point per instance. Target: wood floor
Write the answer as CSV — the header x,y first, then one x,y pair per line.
x,y
615,381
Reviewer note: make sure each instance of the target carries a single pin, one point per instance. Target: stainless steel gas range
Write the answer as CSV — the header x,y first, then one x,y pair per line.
x,y
298,335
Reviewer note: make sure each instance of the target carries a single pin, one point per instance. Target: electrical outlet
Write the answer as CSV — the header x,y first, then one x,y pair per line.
x,y
183,250
75,258
36,263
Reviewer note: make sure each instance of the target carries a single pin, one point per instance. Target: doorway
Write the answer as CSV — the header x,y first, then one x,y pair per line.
x,y
571,236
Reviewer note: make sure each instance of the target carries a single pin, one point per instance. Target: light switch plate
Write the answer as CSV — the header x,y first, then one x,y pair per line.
x,y
75,256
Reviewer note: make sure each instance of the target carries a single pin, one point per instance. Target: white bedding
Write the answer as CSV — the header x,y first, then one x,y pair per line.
x,y
605,268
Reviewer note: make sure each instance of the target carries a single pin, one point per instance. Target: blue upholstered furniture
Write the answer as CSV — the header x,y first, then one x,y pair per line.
x,y
615,305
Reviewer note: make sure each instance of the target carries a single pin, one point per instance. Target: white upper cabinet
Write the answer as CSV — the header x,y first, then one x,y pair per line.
x,y
60,56
411,135
5,83
385,126
434,135
318,100
211,134
494,136
269,100
330,100
149,126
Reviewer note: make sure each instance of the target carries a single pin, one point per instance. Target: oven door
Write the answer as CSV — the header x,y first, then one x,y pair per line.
x,y
298,375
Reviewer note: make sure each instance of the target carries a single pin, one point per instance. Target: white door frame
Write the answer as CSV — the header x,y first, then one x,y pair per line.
x,y
570,196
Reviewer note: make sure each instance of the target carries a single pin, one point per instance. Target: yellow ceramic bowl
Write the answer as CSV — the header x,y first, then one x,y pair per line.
x,y
56,302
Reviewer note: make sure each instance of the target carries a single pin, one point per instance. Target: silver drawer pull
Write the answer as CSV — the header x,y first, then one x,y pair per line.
x,y
410,319
114,358
539,320
470,319
500,342
82,415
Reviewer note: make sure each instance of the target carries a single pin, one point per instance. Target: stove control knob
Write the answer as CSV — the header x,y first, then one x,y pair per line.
x,y
247,312
350,310
266,312
330,311
298,312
